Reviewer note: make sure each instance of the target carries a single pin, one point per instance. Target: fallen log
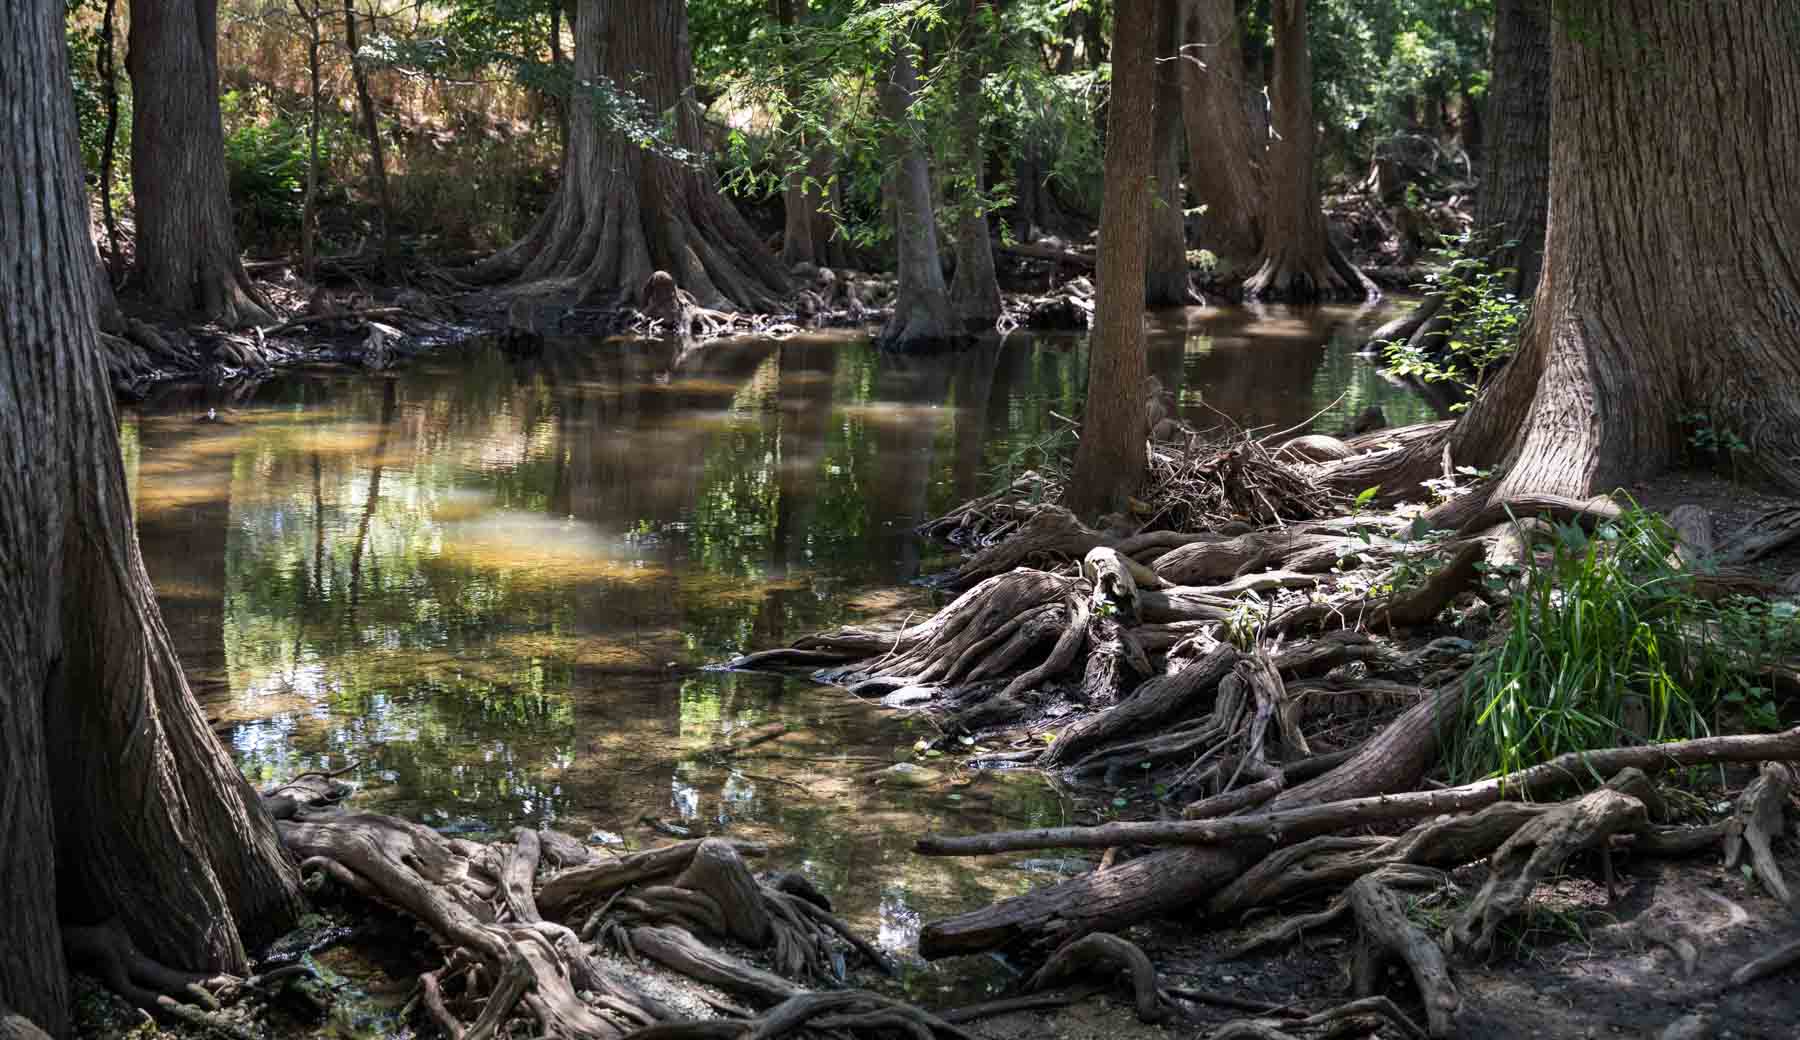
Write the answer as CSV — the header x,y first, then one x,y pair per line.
x,y
1323,818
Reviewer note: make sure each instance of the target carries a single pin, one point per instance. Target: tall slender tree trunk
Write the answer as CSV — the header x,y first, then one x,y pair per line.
x,y
309,208
1109,462
975,289
187,251
922,317
1166,277
378,179
1223,173
1297,260
622,213
1671,284
119,802
1512,206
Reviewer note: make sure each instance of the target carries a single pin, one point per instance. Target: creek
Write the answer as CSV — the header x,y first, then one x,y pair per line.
x,y
493,586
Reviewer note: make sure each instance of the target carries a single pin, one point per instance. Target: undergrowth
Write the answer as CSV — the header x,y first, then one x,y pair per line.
x,y
1609,642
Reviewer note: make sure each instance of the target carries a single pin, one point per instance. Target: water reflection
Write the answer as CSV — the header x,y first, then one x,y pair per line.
x,y
491,583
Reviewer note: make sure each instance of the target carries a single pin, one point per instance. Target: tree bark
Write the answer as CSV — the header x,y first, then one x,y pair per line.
x,y
1166,277
378,179
187,251
622,212
975,290
1512,206
1297,261
119,802
922,317
1223,172
1629,332
1109,461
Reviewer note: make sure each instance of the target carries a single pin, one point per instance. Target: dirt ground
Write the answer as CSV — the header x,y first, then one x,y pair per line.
x,y
1580,966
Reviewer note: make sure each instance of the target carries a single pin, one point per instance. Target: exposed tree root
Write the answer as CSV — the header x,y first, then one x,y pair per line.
x,y
1387,933
1757,822
1535,851
108,952
1090,952
1389,875
1359,1015
488,908
1774,962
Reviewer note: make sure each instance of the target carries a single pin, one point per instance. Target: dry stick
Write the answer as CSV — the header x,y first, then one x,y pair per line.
x,y
1295,824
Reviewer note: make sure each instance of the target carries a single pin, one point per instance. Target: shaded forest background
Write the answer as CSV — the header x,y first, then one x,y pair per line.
x,y
471,98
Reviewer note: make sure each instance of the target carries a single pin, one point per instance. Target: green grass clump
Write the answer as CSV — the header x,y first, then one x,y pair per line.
x,y
1608,643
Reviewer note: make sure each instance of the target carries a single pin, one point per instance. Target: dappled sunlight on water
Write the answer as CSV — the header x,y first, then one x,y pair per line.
x,y
493,586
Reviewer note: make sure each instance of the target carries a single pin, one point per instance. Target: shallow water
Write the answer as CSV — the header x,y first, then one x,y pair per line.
x,y
492,586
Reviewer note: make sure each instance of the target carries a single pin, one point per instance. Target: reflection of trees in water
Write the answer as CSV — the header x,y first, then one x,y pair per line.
x,y
394,561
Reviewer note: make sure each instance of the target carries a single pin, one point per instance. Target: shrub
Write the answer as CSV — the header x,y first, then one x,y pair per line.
x,y
1481,319
1609,643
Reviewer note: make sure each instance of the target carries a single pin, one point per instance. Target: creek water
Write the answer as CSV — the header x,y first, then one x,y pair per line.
x,y
493,586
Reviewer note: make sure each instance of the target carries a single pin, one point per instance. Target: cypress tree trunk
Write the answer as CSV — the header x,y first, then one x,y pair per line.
x,y
1514,201
623,213
119,803
1223,174
922,317
1297,261
1109,462
1669,286
975,290
1166,280
187,251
